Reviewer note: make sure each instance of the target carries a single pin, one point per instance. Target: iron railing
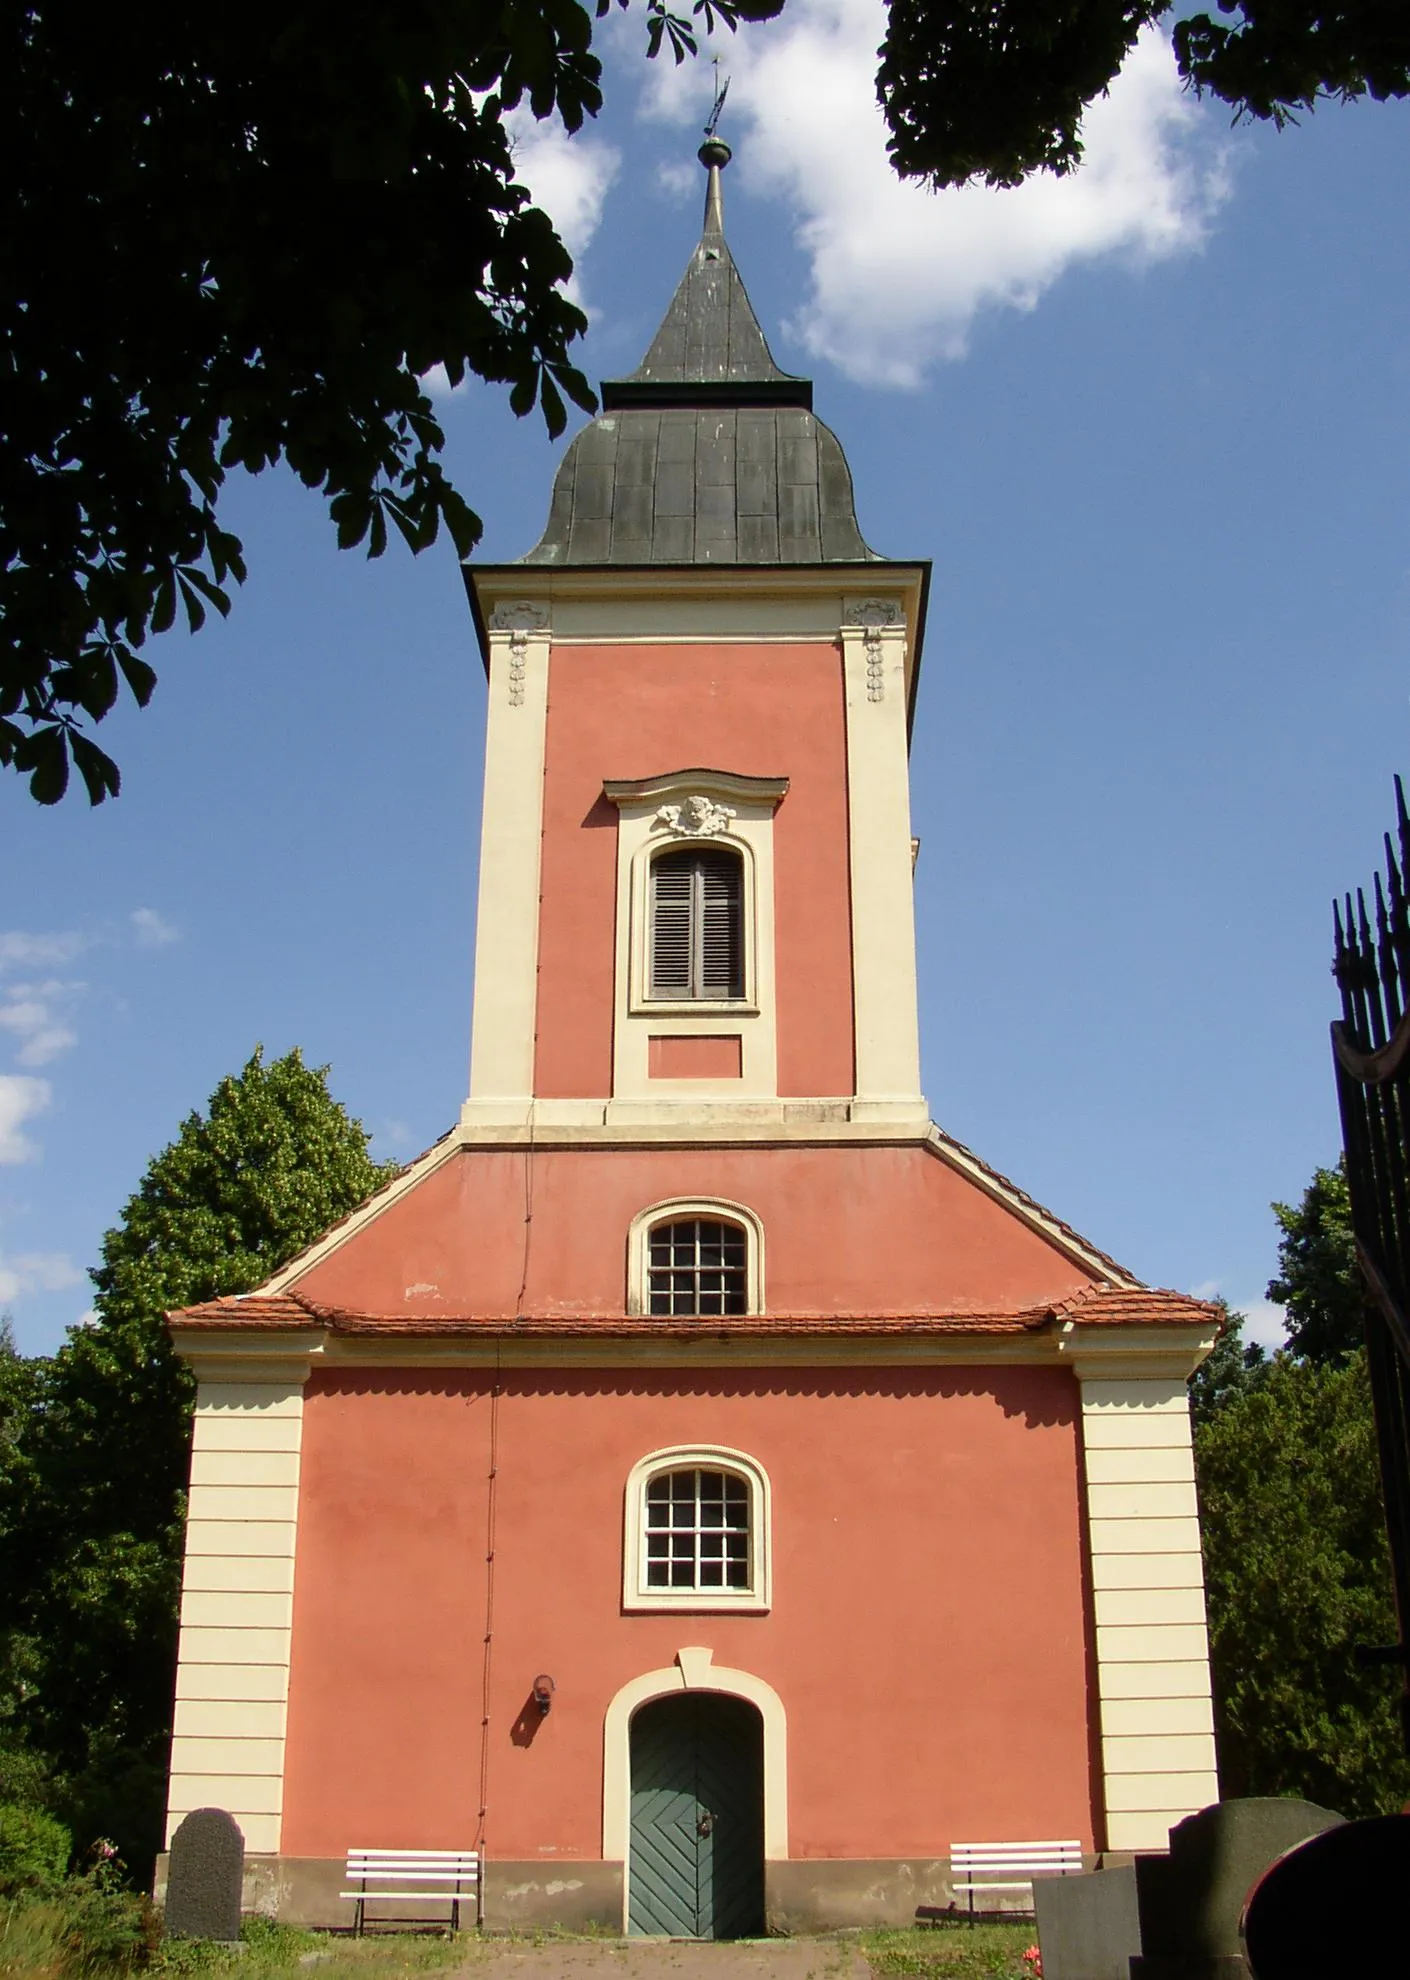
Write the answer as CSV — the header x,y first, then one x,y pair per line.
x,y
1371,1052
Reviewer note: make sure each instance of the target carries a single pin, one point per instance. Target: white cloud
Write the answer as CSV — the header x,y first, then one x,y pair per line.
x,y
153,930
680,182
569,178
1267,1323
21,951
899,273
1263,1321
21,1097
36,1014
398,1137
37,1271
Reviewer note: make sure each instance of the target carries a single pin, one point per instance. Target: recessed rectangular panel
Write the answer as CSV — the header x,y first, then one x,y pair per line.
x,y
701,1057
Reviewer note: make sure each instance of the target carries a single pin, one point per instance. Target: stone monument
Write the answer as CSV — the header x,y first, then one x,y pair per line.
x,y
205,1873
1088,1926
1190,1902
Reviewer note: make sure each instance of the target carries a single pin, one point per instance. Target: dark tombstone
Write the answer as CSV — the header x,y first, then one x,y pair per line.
x,y
205,1873
1192,1900
1338,1904
1087,1926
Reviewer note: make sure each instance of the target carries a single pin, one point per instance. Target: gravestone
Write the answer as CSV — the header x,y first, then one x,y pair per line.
x,y
1191,1901
205,1873
1337,1904
1088,1926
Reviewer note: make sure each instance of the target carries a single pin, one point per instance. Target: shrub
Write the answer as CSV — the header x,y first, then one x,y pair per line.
x,y
34,1850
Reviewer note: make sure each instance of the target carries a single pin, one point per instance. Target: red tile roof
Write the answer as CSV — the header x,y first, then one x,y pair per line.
x,y
1098,1306
1118,1306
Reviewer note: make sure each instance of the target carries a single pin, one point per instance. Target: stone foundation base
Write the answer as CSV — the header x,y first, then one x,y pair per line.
x,y
304,1891
828,1894
822,1894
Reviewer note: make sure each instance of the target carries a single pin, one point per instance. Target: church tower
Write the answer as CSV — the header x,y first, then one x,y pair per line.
x,y
695,871
697,1483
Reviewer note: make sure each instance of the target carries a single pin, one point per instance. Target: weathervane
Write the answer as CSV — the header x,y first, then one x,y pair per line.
x,y
720,96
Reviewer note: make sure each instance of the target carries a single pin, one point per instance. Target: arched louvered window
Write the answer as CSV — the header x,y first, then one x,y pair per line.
x,y
697,924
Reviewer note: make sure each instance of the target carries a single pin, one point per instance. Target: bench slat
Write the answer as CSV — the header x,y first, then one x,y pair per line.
x,y
398,1869
379,1858
402,1897
959,1851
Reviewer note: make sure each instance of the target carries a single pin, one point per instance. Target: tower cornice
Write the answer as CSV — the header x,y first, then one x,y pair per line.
x,y
657,604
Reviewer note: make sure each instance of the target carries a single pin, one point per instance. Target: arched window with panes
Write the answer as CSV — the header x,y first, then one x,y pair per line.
x,y
697,1531
696,936
695,1257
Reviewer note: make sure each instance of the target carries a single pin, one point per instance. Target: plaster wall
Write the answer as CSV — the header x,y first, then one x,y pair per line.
x,y
927,1634
860,1229
637,710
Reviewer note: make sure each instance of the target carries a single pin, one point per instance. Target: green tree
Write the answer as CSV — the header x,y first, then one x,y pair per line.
x,y
1234,1367
1298,1576
996,89
236,236
1318,1279
95,1466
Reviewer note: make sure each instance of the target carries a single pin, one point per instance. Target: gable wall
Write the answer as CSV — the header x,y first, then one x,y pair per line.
x,y
863,1229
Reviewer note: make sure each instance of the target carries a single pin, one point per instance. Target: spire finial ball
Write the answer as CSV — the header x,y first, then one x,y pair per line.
x,y
714,151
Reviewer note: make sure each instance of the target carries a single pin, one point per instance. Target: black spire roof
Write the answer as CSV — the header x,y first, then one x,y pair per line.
x,y
708,453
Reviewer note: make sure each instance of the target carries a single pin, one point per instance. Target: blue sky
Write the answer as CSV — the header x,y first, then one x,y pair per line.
x,y
1153,427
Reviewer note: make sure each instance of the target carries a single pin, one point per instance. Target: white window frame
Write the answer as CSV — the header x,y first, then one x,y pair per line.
x,y
645,829
717,1209
637,1596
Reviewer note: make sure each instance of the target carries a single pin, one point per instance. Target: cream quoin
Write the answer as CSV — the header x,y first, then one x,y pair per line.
x,y
835,1496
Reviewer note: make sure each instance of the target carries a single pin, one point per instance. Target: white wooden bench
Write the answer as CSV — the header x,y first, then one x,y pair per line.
x,y
403,1876
1004,1866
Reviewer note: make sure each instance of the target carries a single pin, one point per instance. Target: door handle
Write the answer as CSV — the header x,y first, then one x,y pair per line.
x,y
706,1823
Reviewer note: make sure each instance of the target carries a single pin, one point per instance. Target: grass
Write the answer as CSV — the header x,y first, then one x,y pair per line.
x,y
37,1943
951,1951
276,1952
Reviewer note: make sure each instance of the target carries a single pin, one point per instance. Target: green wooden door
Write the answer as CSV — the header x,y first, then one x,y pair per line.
x,y
697,1842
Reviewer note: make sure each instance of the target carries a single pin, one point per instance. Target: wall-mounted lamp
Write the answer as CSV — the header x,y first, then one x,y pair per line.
x,y
544,1689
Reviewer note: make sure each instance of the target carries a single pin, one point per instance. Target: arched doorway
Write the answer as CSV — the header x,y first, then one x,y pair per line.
x,y
697,1818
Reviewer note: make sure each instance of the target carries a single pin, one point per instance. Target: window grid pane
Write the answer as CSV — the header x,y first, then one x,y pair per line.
x,y
697,1267
697,1531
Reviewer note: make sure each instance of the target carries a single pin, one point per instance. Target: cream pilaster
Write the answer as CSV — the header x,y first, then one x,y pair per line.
x,y
237,1594
511,832
1157,1720
874,641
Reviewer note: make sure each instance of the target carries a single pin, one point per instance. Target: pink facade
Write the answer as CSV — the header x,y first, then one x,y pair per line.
x,y
929,1631
633,711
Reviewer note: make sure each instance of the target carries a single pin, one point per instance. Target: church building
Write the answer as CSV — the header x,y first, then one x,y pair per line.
x,y
698,1480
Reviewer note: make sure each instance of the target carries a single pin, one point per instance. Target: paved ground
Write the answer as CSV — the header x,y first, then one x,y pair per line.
x,y
673,1959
